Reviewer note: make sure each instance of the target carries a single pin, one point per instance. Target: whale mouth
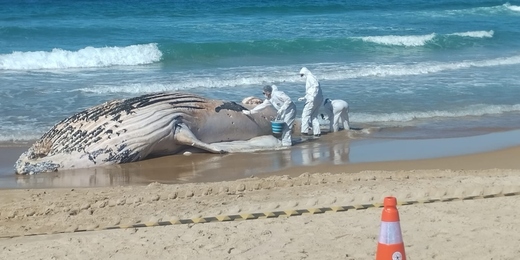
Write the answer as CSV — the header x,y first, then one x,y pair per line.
x,y
24,167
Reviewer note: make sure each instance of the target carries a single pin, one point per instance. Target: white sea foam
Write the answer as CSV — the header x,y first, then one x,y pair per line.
x,y
285,75
18,138
21,134
476,34
407,40
88,57
512,7
341,72
214,78
420,40
141,88
474,110
498,9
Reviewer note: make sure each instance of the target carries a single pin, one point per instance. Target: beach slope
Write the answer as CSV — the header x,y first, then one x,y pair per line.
x,y
461,229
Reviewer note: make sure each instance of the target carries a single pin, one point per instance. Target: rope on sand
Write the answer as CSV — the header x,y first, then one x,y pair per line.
x,y
276,214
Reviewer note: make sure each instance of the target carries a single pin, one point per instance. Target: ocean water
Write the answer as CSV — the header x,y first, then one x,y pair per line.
x,y
409,69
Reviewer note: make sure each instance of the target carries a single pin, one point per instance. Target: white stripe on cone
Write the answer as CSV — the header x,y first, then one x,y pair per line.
x,y
390,233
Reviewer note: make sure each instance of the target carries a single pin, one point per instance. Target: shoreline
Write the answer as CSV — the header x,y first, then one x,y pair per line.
x,y
314,175
332,153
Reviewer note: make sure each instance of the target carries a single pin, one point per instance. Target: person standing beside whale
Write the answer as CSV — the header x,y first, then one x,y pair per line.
x,y
286,110
313,101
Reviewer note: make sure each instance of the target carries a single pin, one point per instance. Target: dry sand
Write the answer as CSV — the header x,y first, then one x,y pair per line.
x,y
472,229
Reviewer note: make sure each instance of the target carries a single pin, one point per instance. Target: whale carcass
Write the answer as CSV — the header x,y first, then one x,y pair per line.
x,y
147,126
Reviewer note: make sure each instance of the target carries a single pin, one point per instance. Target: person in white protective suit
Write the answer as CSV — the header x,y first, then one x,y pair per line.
x,y
313,101
285,107
337,113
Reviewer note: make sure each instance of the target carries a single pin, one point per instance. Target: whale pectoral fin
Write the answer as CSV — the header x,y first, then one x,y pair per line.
x,y
184,136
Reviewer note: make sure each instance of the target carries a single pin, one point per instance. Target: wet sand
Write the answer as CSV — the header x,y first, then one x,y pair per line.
x,y
337,153
322,173
470,229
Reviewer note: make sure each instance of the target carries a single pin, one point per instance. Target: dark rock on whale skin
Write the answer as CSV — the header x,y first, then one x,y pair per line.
x,y
146,126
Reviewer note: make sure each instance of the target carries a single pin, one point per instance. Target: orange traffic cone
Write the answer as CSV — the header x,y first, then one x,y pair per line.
x,y
390,245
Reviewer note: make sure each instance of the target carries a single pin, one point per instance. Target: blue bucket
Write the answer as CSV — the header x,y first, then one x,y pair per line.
x,y
277,126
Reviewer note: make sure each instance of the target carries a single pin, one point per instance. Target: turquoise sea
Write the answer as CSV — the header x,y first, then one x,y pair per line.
x,y
410,69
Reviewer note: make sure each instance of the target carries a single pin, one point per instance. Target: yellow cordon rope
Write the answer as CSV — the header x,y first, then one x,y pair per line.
x,y
277,214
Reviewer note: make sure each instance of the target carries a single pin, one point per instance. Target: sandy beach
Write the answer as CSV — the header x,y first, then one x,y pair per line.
x,y
429,91
469,229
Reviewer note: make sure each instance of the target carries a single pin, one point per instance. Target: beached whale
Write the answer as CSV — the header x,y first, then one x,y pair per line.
x,y
147,126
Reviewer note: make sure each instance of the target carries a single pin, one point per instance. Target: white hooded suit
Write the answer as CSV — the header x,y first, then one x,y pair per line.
x,y
313,101
286,112
337,111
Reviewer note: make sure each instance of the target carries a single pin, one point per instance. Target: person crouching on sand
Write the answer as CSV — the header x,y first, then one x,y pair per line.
x,y
337,113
